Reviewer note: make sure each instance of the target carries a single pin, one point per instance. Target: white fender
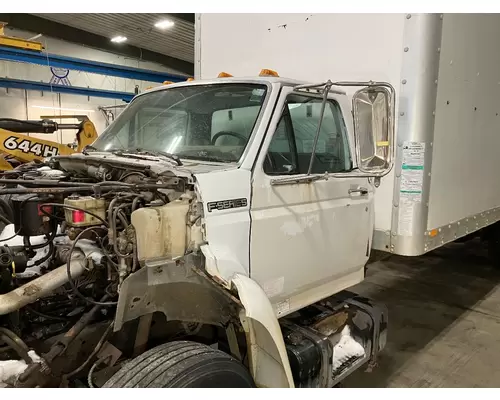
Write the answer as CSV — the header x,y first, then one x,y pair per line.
x,y
268,359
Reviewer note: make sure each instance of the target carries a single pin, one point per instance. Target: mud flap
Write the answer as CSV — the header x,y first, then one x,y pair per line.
x,y
267,354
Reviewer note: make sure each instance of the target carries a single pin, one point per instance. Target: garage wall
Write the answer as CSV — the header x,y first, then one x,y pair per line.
x,y
22,104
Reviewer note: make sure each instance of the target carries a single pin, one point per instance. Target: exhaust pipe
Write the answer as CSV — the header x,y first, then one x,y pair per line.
x,y
40,287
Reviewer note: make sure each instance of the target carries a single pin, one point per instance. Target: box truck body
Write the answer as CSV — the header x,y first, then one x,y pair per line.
x,y
446,72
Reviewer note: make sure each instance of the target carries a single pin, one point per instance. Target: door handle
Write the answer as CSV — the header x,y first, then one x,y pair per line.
x,y
361,190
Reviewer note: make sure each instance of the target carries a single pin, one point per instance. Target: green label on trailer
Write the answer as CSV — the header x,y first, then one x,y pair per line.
x,y
414,167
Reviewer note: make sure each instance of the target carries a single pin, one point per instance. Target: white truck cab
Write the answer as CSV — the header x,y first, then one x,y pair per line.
x,y
309,223
284,173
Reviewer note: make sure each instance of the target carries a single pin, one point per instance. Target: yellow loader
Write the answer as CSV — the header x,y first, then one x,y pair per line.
x,y
17,148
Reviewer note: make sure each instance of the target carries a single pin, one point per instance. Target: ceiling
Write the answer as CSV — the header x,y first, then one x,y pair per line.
x,y
177,42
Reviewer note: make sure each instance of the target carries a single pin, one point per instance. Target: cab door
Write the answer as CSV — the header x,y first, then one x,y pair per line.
x,y
309,239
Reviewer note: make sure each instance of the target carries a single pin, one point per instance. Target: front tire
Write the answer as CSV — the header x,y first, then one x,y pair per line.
x,y
182,364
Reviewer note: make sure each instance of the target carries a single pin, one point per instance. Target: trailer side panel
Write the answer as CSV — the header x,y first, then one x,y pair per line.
x,y
465,190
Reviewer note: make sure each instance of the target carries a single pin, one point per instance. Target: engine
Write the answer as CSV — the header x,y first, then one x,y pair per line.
x,y
73,230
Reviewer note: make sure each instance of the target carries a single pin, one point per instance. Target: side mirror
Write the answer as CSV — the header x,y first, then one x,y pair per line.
x,y
373,112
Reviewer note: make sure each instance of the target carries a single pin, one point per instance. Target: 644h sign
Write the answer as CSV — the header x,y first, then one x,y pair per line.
x,y
60,76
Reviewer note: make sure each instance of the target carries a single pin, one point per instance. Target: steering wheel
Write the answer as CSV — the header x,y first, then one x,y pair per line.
x,y
229,133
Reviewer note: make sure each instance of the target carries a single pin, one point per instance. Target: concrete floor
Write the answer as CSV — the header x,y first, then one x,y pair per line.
x,y
444,320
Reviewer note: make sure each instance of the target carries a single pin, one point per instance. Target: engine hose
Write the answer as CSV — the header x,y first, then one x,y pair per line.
x,y
91,371
122,219
135,202
5,220
70,276
15,343
46,256
50,239
113,230
52,183
46,316
96,188
14,337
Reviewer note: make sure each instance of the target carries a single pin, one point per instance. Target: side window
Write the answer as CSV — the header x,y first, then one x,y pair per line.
x,y
332,149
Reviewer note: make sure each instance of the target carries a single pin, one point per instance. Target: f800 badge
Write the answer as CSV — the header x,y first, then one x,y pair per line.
x,y
26,146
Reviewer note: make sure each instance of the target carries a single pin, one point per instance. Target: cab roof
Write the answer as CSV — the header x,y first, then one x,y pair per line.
x,y
249,79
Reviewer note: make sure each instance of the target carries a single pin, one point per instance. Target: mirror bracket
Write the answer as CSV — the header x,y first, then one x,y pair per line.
x,y
375,180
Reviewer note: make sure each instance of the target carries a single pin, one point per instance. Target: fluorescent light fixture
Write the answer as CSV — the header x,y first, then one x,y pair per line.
x,y
63,109
118,39
164,24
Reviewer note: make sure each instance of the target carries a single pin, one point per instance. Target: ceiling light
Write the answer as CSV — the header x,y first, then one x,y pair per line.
x,y
165,24
118,39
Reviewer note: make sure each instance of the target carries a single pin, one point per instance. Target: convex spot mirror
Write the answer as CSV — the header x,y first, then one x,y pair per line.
x,y
373,129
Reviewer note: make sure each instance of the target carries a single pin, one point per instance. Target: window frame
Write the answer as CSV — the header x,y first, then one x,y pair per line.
x,y
285,111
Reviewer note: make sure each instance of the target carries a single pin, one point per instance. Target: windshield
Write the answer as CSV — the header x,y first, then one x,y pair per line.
x,y
202,122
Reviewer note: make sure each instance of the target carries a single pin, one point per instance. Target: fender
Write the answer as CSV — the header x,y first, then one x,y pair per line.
x,y
267,354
